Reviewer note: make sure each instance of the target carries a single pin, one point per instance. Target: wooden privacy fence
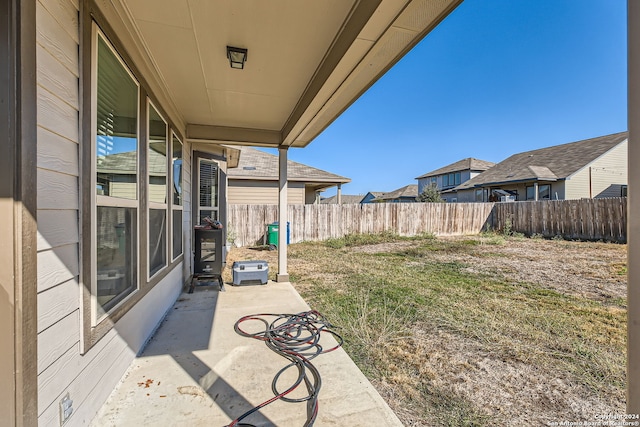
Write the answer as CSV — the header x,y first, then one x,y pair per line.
x,y
247,224
584,219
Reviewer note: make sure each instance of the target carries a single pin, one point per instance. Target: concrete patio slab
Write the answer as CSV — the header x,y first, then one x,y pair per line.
x,y
198,371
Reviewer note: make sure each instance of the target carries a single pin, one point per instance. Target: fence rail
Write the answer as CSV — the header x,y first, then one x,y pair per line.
x,y
588,219
584,219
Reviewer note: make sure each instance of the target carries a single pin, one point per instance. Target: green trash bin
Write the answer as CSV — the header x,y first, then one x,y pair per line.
x,y
272,234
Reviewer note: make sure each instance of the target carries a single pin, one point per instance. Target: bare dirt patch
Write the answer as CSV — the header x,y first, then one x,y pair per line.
x,y
591,270
443,376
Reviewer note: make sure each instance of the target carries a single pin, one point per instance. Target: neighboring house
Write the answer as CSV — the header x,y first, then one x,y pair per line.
x,y
344,199
406,194
113,117
592,168
255,180
371,196
453,175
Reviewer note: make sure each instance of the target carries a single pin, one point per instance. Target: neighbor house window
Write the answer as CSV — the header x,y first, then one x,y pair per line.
x,y
531,193
544,192
176,206
115,175
457,178
445,180
157,177
623,190
479,195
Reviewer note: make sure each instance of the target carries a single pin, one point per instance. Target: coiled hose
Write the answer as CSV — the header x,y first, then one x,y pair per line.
x,y
296,337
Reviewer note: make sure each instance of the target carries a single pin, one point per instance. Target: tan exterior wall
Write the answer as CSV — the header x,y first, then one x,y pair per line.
x,y
248,192
59,361
557,191
63,368
309,196
601,178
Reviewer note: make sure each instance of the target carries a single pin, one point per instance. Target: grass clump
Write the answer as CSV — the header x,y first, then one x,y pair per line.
x,y
362,239
406,317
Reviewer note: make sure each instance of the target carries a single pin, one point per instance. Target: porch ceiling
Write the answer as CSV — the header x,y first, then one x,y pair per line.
x,y
307,61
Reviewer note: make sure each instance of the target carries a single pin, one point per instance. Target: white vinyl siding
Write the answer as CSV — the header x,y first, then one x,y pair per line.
x,y
608,174
58,198
187,159
90,376
254,192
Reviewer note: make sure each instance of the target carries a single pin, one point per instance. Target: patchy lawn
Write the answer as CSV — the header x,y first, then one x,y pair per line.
x,y
474,330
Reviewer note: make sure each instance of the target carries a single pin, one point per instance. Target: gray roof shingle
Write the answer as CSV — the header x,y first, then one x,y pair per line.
x,y
345,199
461,165
547,164
410,190
257,164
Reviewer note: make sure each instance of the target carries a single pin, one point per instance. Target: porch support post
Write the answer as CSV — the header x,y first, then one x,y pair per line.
x,y
535,191
339,194
18,219
633,210
283,216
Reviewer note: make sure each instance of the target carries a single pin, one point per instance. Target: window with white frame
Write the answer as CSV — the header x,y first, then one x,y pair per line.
x,y
531,192
157,159
544,192
176,206
132,206
208,189
115,179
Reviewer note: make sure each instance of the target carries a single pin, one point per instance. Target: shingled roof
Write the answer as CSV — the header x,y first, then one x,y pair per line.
x,y
345,199
461,165
126,163
408,191
546,164
259,165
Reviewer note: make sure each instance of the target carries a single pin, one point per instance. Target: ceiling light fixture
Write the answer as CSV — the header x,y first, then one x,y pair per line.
x,y
237,57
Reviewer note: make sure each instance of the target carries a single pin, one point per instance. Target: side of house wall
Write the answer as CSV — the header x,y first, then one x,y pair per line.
x,y
309,196
254,192
87,378
466,196
601,178
422,183
187,206
57,178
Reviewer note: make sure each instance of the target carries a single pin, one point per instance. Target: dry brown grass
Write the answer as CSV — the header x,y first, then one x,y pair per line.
x,y
481,330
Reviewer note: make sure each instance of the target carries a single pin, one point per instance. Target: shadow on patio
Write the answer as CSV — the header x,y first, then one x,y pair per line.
x,y
197,371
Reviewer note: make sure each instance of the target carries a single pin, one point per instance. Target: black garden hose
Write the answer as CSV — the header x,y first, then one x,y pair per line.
x,y
296,337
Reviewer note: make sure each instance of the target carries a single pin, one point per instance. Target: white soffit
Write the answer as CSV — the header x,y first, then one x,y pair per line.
x,y
293,84
407,29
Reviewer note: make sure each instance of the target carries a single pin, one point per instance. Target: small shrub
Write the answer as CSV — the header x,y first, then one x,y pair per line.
x,y
507,228
362,239
430,194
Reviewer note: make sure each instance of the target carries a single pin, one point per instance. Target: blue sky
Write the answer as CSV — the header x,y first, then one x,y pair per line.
x,y
495,78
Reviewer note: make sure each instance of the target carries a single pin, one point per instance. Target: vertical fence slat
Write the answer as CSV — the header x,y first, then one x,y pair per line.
x,y
589,219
